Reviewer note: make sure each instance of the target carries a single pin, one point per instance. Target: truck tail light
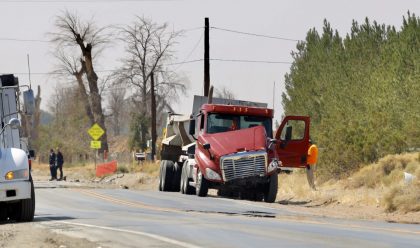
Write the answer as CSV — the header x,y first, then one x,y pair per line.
x,y
30,164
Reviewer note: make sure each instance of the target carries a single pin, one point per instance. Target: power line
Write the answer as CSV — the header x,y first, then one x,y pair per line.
x,y
22,40
252,61
253,34
81,1
47,41
191,52
191,29
171,64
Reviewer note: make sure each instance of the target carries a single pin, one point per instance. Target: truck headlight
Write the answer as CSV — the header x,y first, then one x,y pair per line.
x,y
212,175
18,174
273,165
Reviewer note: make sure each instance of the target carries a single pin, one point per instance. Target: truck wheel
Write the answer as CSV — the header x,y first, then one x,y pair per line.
x,y
176,177
26,208
167,168
270,192
185,186
160,175
259,196
184,177
3,212
202,185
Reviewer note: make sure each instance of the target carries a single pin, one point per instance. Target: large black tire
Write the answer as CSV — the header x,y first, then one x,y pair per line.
x,y
176,177
271,188
3,212
166,175
160,175
183,177
26,208
186,188
202,185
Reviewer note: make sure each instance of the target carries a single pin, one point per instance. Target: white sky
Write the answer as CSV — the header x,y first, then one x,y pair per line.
x,y
249,81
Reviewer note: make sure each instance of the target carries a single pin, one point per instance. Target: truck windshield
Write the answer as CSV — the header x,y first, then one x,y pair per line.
x,y
217,123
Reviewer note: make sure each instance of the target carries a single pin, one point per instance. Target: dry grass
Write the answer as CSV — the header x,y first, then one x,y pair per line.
x,y
380,185
150,168
147,167
387,172
79,171
405,198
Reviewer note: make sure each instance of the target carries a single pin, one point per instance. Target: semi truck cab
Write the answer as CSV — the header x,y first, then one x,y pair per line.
x,y
236,153
231,147
17,195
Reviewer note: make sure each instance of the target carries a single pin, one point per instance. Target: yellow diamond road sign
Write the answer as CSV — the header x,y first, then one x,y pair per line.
x,y
95,144
95,131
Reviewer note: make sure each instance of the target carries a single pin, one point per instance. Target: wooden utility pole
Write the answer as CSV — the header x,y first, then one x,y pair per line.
x,y
153,105
206,56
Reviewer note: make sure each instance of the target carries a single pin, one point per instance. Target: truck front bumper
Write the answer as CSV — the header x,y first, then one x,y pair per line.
x,y
15,190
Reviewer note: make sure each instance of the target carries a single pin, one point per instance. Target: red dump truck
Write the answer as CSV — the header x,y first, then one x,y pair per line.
x,y
231,147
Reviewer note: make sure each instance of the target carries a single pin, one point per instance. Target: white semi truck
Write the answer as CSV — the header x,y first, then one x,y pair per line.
x,y
17,194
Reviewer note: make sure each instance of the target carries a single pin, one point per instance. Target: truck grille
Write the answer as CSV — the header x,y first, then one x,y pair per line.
x,y
243,165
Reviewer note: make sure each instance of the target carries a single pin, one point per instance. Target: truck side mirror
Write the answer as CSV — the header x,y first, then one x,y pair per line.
x,y
271,143
288,136
31,154
14,123
29,102
191,129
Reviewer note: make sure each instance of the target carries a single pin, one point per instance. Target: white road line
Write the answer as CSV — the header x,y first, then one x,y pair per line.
x,y
149,235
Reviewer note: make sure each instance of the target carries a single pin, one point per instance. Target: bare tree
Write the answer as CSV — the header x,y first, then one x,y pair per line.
x,y
148,46
116,106
78,42
224,93
68,119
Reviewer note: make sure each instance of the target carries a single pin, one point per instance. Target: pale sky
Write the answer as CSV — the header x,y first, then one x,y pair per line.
x,y
32,20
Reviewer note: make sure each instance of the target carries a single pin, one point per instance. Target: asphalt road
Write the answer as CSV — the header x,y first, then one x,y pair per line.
x,y
125,218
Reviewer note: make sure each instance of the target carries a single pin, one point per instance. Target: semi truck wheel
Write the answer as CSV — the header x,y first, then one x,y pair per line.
x,y
176,177
202,185
166,175
182,187
160,175
185,185
3,212
271,188
26,208
184,177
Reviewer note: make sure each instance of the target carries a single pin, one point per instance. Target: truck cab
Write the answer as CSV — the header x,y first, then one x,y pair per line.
x,y
235,151
17,195
231,147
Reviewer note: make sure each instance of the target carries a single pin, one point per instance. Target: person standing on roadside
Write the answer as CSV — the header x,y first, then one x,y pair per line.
x,y
52,161
311,164
60,162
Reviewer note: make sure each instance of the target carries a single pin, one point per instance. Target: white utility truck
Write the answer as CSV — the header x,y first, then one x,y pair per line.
x,y
17,195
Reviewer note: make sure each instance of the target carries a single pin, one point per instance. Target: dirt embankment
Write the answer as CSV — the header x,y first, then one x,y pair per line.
x,y
30,235
387,190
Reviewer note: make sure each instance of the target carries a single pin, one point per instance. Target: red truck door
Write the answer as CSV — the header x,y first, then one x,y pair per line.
x,y
293,141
